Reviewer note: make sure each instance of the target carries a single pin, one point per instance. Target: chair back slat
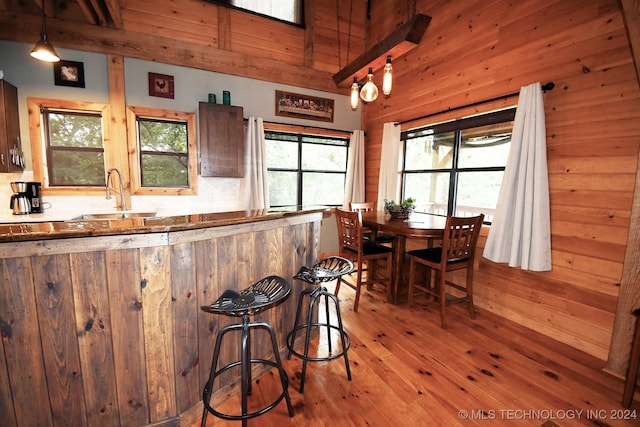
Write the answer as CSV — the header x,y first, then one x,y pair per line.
x,y
460,237
349,229
362,206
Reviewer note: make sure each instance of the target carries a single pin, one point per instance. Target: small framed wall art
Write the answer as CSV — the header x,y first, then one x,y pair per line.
x,y
68,73
161,85
304,106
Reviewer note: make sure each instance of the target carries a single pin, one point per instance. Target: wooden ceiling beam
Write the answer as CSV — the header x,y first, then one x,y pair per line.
x,y
113,7
87,9
99,12
90,38
404,38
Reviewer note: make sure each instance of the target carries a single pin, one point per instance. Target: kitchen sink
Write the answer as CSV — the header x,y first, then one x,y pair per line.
x,y
113,215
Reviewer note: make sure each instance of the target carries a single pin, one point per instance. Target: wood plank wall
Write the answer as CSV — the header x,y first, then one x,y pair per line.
x,y
473,51
108,331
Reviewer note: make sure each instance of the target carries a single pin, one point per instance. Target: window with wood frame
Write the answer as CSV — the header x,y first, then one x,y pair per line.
x,y
162,147
68,144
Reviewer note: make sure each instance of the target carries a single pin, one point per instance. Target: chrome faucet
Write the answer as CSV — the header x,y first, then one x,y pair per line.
x,y
123,203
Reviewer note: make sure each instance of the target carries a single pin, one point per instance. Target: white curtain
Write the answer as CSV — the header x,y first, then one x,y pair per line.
x,y
389,184
256,186
354,187
520,233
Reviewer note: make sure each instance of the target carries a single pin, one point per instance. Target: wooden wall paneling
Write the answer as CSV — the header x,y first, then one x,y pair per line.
x,y
282,42
629,285
592,130
158,318
386,17
610,217
264,253
186,308
26,381
54,299
185,20
554,321
94,330
226,262
6,401
125,303
207,285
332,50
583,244
309,32
224,28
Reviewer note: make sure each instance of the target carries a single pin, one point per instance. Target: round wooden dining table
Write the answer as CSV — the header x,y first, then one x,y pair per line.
x,y
418,225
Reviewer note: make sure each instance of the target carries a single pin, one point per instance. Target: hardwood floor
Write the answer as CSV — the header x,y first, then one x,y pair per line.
x,y
407,371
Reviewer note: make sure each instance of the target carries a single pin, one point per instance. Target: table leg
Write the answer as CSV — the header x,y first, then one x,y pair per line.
x,y
398,261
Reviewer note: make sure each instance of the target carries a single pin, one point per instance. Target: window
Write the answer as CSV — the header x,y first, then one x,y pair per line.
x,y
75,148
166,155
457,167
290,11
305,169
68,145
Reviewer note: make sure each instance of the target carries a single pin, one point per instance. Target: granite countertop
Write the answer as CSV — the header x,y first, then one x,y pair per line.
x,y
42,230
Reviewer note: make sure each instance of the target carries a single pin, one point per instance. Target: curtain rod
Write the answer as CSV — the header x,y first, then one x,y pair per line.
x,y
304,126
545,88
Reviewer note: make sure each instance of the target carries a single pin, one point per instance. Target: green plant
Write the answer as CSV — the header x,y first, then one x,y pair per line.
x,y
408,203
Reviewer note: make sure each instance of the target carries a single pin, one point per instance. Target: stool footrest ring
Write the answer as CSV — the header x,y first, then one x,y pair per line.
x,y
290,343
251,414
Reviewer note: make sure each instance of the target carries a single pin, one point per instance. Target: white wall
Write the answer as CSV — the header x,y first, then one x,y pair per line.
x,y
35,79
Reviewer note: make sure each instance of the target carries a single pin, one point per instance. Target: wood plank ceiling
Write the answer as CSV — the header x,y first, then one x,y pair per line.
x,y
104,13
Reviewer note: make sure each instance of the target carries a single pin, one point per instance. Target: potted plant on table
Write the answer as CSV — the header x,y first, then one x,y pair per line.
x,y
401,210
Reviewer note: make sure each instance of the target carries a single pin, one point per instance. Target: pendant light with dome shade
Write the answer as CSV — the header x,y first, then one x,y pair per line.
x,y
43,50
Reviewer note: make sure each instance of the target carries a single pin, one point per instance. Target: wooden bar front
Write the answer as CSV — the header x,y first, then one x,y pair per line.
x,y
107,330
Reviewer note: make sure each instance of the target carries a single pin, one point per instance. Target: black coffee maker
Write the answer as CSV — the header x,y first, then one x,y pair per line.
x,y
34,193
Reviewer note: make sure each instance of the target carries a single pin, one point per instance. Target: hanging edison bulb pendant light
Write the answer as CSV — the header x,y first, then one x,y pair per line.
x,y
387,77
369,91
355,94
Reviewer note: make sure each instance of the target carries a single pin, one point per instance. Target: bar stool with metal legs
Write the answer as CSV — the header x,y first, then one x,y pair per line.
x,y
326,270
263,294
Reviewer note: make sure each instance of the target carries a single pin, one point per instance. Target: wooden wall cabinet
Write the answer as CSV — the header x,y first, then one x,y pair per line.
x,y
221,140
11,156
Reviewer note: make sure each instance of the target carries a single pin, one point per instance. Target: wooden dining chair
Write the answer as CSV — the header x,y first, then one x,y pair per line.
x,y
358,250
457,252
380,238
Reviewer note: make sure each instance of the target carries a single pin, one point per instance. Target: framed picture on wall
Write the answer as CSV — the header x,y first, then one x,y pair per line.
x,y
68,73
304,106
161,85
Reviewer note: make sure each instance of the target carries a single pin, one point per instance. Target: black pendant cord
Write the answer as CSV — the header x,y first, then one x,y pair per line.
x,y
545,88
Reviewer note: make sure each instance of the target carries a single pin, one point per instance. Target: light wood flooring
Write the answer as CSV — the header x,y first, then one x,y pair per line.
x,y
407,371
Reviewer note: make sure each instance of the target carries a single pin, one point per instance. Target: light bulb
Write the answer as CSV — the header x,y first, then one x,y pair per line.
x,y
354,94
369,92
43,51
387,77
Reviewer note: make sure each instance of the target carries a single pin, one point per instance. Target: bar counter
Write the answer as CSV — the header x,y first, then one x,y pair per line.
x,y
101,322
58,229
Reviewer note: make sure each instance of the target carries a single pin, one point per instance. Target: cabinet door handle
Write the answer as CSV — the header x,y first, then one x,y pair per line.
x,y
2,158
